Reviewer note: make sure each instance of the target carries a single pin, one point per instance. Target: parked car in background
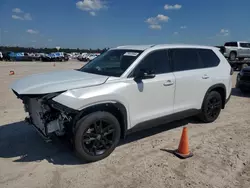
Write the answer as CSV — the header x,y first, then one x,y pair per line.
x,y
91,57
82,57
243,79
126,87
56,56
62,56
8,56
23,56
234,50
75,55
46,58
70,56
35,56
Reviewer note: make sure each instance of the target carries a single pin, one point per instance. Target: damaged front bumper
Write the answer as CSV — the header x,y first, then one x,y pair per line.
x,y
45,137
48,117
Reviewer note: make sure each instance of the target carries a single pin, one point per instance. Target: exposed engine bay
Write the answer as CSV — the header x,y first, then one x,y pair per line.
x,y
47,116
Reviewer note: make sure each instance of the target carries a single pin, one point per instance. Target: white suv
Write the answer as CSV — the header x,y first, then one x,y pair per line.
x,y
125,87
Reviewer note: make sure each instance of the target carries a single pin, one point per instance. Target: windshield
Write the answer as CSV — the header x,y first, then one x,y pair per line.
x,y
112,63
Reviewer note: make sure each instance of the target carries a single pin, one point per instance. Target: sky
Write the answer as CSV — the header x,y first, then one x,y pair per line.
x,y
110,23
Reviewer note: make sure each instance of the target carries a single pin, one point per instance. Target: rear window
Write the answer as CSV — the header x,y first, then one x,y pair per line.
x,y
208,58
232,44
191,59
245,45
185,59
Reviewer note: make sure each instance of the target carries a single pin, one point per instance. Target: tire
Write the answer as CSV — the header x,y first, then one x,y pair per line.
x,y
95,138
232,56
210,113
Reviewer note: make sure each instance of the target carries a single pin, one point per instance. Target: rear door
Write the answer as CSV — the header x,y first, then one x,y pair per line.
x,y
243,50
192,79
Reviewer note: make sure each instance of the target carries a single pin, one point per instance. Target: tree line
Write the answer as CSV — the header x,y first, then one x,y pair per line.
x,y
48,50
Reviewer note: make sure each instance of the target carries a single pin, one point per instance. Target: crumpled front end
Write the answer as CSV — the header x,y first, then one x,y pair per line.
x,y
47,116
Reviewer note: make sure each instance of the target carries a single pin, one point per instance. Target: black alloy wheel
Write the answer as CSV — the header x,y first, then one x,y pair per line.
x,y
211,107
96,136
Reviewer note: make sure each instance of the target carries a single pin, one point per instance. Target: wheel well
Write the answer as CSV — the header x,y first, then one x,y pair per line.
x,y
221,89
233,52
116,109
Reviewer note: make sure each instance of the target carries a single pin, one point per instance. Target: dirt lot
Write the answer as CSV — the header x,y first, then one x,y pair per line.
x,y
221,149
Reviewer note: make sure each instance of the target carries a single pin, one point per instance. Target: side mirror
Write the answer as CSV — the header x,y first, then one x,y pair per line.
x,y
144,74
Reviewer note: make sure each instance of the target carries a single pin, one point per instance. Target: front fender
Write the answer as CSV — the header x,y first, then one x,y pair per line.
x,y
79,99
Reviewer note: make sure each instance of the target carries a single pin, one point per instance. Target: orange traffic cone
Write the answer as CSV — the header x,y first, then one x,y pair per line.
x,y
11,73
183,149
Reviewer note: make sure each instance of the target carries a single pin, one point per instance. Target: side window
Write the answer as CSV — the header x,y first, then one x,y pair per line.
x,y
231,44
244,45
156,62
208,58
186,59
234,44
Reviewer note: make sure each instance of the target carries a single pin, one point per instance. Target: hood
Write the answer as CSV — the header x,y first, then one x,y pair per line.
x,y
56,81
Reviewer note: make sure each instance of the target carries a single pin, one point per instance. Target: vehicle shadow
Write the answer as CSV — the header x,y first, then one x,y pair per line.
x,y
236,92
20,141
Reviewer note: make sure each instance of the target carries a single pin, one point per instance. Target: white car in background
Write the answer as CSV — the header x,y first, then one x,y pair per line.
x,y
82,57
91,57
123,88
237,49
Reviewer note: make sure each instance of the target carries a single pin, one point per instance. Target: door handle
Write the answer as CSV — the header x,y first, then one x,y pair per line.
x,y
205,76
168,83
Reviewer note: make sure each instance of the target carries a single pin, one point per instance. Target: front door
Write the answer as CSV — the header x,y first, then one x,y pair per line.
x,y
151,98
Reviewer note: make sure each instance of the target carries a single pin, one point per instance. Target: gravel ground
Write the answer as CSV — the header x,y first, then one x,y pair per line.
x,y
221,149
